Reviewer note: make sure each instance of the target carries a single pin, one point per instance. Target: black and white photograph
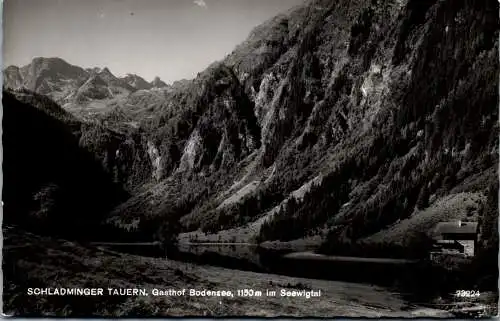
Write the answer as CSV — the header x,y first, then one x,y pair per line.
x,y
250,158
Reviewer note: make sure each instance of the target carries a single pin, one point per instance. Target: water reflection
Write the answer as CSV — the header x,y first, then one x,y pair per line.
x,y
405,278
247,257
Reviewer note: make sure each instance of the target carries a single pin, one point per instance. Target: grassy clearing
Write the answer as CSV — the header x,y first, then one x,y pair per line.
x,y
464,206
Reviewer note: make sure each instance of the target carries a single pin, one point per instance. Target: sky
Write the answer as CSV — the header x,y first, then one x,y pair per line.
x,y
172,39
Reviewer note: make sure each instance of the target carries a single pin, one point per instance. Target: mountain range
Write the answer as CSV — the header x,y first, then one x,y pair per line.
x,y
74,87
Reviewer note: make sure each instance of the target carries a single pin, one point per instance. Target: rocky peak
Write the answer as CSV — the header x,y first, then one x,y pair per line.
x,y
136,81
94,70
105,73
158,83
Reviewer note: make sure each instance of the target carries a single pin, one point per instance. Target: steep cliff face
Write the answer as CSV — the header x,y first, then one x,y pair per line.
x,y
392,103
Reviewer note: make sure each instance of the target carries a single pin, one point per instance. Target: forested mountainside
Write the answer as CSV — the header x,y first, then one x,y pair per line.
x,y
346,116
129,168
51,184
338,119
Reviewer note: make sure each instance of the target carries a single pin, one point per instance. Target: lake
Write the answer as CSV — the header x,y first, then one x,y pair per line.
x,y
250,257
413,281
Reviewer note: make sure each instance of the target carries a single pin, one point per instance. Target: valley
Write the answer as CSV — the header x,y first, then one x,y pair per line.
x,y
340,128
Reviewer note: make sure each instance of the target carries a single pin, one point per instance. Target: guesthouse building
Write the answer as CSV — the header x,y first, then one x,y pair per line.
x,y
456,237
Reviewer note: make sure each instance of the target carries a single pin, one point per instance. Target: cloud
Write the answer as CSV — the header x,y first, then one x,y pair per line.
x,y
200,3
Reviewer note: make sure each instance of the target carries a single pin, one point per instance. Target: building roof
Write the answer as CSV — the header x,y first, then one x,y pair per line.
x,y
456,227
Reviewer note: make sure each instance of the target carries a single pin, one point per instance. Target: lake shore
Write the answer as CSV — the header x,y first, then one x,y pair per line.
x,y
312,256
48,263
